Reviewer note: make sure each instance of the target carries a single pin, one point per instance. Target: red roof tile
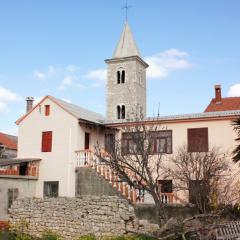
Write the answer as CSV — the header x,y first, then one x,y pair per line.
x,y
8,141
226,104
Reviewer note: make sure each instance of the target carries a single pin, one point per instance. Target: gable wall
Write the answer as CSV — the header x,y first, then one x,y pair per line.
x,y
57,165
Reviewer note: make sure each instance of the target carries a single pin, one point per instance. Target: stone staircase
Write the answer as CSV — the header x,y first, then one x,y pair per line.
x,y
95,178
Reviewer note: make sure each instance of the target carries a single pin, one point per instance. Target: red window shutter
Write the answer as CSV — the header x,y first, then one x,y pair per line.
x,y
47,110
47,141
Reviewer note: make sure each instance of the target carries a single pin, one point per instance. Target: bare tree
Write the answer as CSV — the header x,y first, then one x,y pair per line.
x,y
236,151
203,174
133,158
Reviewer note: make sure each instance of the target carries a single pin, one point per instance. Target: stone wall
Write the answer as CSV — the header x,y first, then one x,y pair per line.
x,y
25,185
74,217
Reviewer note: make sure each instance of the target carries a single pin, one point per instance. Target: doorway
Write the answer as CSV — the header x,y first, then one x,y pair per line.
x,y
87,141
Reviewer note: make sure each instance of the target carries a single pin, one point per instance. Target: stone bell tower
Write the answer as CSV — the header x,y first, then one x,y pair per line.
x,y
126,80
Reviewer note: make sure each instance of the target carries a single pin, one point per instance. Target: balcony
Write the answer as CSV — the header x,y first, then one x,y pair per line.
x,y
19,167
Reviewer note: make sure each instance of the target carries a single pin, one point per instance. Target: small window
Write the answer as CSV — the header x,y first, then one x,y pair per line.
x,y
198,140
123,77
118,77
123,112
161,141
12,195
47,141
118,112
47,110
165,186
50,189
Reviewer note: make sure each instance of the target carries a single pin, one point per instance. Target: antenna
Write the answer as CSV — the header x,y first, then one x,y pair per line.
x,y
126,7
158,110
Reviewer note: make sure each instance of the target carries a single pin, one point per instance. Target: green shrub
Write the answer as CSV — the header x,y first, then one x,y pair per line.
x,y
130,237
87,237
49,235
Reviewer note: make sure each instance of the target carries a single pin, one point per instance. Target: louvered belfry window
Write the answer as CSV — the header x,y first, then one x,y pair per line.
x,y
47,141
198,140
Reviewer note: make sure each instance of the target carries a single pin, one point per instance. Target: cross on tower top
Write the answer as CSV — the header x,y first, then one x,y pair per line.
x,y
126,7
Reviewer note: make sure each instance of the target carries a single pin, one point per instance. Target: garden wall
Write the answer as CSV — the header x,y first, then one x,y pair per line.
x,y
74,217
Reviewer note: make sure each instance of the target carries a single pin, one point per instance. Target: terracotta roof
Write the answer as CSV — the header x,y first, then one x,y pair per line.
x,y
226,104
8,141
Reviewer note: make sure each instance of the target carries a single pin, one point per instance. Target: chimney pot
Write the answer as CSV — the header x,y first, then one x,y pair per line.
x,y
29,104
218,93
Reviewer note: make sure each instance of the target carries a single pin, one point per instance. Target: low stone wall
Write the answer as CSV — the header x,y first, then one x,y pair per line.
x,y
74,217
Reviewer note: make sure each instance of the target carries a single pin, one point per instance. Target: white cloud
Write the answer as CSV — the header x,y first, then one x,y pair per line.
x,y
7,96
72,68
99,77
39,75
234,90
163,63
97,74
67,81
49,73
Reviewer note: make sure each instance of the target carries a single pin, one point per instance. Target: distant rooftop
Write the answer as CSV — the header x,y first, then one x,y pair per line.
x,y
8,141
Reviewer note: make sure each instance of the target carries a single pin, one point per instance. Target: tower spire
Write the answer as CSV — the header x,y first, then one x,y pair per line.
x,y
126,46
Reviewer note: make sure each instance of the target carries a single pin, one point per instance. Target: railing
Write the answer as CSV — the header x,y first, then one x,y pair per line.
x,y
86,158
167,198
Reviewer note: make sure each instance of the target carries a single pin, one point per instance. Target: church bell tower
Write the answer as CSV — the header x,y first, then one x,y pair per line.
x,y
126,80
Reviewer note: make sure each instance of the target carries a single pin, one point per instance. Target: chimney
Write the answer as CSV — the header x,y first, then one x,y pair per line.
x,y
218,93
29,105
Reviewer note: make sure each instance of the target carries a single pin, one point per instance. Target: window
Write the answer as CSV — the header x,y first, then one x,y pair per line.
x,y
165,186
123,112
118,77
161,141
47,110
50,189
12,195
118,112
132,143
47,141
109,142
197,140
123,76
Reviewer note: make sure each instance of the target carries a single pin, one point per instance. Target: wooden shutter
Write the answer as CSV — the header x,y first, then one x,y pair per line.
x,y
47,110
47,141
198,140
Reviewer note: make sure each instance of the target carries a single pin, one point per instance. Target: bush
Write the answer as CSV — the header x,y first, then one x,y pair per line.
x,y
87,237
48,235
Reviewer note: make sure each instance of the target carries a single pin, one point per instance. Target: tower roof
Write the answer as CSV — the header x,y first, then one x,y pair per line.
x,y
126,46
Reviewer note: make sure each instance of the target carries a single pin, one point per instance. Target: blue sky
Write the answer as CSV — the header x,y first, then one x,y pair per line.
x,y
58,47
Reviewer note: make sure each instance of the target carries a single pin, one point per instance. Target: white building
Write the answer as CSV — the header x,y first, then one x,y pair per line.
x,y
63,135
